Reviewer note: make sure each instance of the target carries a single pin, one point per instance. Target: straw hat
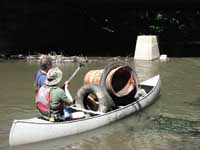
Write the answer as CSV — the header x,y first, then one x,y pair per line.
x,y
54,76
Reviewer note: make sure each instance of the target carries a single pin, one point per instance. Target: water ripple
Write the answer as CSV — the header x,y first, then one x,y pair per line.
x,y
177,125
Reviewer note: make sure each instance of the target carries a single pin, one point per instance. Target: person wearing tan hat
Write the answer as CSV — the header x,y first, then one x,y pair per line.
x,y
51,99
45,65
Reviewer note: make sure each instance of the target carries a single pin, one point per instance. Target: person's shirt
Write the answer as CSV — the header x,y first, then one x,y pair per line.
x,y
60,97
40,78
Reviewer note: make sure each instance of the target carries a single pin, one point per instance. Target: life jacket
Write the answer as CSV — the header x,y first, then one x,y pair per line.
x,y
43,100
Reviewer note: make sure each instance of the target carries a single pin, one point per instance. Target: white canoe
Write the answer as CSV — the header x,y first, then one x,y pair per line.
x,y
35,129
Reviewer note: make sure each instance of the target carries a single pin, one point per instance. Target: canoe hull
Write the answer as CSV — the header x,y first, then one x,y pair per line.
x,y
35,130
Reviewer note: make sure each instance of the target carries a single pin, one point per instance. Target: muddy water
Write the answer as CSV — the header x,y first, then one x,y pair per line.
x,y
172,122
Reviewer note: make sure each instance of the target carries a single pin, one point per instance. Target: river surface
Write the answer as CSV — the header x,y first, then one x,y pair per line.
x,y
171,123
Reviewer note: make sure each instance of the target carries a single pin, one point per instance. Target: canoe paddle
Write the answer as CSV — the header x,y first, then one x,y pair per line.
x,y
86,111
75,72
73,75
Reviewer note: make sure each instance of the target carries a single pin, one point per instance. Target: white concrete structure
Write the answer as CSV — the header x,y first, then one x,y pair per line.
x,y
163,57
146,48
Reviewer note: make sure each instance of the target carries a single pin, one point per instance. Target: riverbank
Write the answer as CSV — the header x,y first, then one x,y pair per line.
x,y
56,58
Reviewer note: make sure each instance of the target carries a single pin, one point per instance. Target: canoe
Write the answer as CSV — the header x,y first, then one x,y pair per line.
x,y
36,129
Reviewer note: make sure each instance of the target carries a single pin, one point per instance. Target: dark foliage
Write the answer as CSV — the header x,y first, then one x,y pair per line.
x,y
105,28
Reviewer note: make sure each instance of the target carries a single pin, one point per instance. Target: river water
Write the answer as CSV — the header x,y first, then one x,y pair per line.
x,y
172,122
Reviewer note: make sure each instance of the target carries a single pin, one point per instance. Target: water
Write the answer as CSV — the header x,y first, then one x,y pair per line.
x,y
172,122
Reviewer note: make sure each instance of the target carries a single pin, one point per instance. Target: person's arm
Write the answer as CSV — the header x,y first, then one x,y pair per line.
x,y
65,95
67,92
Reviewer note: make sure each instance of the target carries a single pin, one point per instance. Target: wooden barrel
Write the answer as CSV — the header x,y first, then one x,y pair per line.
x,y
93,76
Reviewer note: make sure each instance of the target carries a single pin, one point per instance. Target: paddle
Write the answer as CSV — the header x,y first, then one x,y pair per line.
x,y
75,72
73,75
87,111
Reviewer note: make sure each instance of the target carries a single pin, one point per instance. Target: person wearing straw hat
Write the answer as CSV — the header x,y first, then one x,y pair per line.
x,y
51,99
45,65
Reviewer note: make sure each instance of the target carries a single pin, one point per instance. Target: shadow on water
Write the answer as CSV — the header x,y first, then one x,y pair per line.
x,y
178,125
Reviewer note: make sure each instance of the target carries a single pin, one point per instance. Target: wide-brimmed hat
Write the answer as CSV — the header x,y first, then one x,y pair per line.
x,y
54,76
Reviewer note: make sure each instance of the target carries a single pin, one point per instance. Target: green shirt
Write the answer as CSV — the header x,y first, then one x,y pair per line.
x,y
59,97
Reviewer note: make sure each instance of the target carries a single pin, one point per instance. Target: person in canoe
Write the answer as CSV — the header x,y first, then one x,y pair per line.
x,y
51,99
40,77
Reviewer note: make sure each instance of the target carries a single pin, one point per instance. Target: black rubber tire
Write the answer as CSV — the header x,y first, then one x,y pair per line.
x,y
105,101
118,101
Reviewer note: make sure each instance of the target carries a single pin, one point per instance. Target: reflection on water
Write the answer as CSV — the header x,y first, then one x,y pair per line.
x,y
146,69
172,122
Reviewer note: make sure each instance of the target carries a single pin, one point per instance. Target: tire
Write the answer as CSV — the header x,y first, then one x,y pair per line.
x,y
107,70
105,102
118,101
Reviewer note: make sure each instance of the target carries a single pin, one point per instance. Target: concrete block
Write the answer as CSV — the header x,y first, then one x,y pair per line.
x,y
146,48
